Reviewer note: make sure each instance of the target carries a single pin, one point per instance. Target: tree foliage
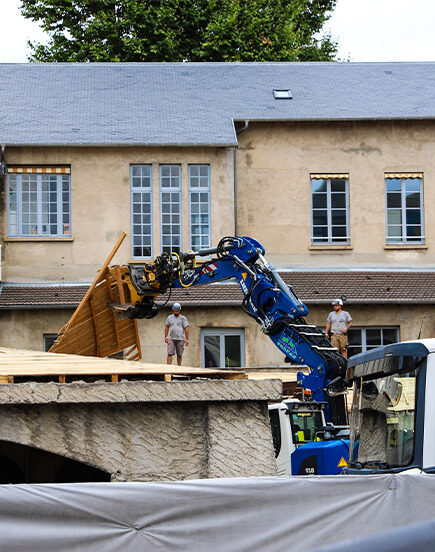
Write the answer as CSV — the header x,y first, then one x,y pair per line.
x,y
177,30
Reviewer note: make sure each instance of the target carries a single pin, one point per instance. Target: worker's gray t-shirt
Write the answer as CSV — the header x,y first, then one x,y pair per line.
x,y
176,326
338,321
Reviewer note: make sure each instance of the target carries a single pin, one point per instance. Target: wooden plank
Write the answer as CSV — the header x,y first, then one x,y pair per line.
x,y
62,379
120,285
97,279
136,334
115,377
235,376
167,377
78,338
104,323
129,350
96,332
109,289
15,362
135,357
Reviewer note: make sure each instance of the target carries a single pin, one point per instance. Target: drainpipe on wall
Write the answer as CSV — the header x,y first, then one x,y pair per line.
x,y
2,179
238,133
2,163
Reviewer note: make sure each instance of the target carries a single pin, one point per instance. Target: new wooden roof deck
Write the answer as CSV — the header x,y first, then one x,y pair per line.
x,y
17,365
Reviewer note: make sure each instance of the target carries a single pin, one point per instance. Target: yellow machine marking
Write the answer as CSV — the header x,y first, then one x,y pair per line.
x,y
342,463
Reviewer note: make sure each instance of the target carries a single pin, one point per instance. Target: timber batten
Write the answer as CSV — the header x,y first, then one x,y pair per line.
x,y
93,329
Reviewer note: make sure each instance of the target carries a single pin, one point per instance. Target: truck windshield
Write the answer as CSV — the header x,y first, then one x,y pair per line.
x,y
382,421
305,425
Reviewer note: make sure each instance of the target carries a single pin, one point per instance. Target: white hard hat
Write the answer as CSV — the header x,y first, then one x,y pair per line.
x,y
337,302
176,306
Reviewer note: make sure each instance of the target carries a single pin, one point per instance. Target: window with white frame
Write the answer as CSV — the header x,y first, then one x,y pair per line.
x,y
364,339
330,209
199,206
404,208
222,347
39,203
170,207
141,210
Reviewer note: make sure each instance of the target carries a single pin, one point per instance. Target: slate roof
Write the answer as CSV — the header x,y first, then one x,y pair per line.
x,y
312,288
157,104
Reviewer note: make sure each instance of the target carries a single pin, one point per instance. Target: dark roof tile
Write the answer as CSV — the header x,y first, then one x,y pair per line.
x,y
311,287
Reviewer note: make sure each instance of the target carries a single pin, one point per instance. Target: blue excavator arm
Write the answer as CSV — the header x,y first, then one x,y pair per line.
x,y
266,299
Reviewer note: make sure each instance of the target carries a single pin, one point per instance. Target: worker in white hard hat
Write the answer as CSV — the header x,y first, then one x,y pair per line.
x,y
176,334
337,325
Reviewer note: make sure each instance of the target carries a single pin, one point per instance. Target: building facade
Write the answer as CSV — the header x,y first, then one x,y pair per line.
x,y
329,166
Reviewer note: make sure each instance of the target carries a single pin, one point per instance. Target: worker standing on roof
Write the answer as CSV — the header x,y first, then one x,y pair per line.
x,y
338,324
176,333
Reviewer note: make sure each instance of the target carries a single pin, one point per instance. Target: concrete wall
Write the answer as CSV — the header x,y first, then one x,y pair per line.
x,y
274,164
25,328
143,431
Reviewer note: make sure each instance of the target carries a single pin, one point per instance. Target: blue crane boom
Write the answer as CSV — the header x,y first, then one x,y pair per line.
x,y
266,299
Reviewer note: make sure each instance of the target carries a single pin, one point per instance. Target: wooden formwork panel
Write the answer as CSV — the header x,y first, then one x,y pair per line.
x,y
94,329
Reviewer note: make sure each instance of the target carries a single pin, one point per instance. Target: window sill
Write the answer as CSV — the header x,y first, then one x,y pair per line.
x,y
406,246
142,261
39,239
328,246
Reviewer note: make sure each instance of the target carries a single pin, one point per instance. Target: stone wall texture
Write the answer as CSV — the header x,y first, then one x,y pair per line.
x,y
214,429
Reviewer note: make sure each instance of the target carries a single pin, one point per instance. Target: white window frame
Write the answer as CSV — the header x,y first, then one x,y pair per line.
x,y
200,189
141,189
173,190
404,239
329,240
63,205
364,329
222,333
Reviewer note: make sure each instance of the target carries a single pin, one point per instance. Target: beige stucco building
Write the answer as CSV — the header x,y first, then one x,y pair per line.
x,y
335,179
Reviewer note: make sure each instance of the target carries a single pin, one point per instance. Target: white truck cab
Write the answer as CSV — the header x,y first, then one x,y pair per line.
x,y
293,424
393,409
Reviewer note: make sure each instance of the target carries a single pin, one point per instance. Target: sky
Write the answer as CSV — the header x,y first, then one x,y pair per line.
x,y
366,30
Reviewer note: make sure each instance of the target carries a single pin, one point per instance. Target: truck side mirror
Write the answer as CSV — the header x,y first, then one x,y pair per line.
x,y
336,387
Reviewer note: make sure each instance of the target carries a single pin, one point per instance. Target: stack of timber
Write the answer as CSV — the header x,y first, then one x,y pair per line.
x,y
18,366
93,329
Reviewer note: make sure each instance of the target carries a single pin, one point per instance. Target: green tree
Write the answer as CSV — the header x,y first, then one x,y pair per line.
x,y
177,30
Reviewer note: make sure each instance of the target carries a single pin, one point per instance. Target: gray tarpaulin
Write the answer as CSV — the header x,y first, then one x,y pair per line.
x,y
213,515
419,537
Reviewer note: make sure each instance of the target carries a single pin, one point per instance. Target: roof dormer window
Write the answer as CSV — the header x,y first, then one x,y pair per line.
x,y
282,94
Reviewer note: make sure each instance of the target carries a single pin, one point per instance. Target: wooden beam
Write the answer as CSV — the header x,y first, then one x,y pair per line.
x,y
115,322
139,350
101,273
120,285
94,320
